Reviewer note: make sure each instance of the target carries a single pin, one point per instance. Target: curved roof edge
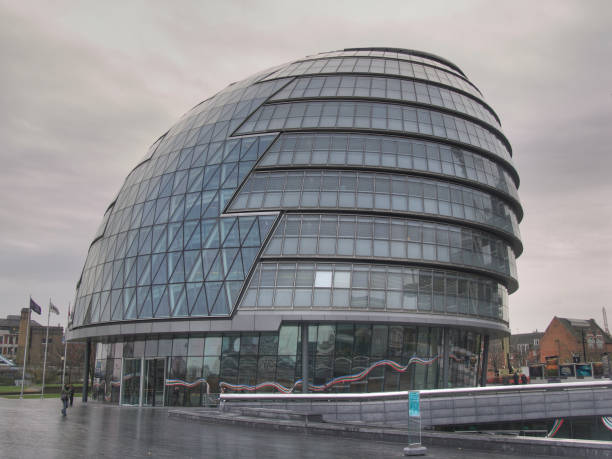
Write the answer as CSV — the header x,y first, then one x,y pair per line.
x,y
414,52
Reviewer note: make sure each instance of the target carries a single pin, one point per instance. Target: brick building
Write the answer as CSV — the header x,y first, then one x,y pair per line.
x,y
36,350
525,349
574,340
9,336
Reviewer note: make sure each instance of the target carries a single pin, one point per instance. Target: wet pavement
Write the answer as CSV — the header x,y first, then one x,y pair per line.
x,y
36,429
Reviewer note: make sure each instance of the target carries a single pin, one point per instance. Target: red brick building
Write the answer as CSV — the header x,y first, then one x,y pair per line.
x,y
574,340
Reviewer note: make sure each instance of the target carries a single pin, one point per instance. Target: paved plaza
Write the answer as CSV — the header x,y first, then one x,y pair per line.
x,y
36,429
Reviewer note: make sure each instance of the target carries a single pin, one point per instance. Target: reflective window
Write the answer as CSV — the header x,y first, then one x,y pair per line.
x,y
385,88
386,238
307,149
377,66
378,288
377,192
376,116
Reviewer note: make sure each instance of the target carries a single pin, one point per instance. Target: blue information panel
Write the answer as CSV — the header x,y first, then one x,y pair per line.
x,y
414,409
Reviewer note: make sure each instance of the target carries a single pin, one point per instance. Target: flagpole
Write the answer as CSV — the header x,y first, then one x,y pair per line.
x,y
42,392
65,345
25,352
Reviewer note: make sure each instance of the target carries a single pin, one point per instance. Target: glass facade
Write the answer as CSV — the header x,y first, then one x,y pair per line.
x,y
367,195
383,358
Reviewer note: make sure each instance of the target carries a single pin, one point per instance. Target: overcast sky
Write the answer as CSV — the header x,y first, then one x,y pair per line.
x,y
86,87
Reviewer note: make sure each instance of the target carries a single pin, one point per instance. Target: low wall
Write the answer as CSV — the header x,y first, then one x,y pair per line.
x,y
446,406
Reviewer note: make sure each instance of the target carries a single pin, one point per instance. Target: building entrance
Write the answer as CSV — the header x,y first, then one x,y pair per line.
x,y
142,382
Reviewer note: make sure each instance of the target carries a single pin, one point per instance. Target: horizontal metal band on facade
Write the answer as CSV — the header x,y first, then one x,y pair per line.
x,y
259,321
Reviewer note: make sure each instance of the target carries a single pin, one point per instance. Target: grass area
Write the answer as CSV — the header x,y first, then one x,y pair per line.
x,y
34,396
33,388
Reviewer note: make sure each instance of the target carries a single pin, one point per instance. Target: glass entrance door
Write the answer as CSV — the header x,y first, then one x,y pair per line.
x,y
130,382
154,382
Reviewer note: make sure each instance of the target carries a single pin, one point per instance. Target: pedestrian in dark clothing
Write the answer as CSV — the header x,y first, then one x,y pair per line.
x,y
516,378
71,394
64,396
524,379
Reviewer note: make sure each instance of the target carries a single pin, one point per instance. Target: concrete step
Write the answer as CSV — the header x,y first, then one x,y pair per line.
x,y
269,413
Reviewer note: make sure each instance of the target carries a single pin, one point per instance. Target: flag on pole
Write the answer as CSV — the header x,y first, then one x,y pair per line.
x,y
53,309
34,307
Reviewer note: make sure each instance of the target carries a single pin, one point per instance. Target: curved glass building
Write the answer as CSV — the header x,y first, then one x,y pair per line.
x,y
349,219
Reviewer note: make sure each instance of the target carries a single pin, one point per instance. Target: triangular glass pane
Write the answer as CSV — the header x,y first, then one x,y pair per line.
x,y
161,275
108,270
236,272
147,213
95,314
248,256
221,307
213,182
213,208
215,153
136,215
132,243
193,240
160,236
232,151
144,270
228,256
87,315
195,180
176,270
193,206
144,241
117,274
264,143
212,290
253,239
193,266
154,186
117,303
197,306
265,223
145,304
130,268
199,155
226,226
210,233
178,301
232,290
216,270
185,159
175,236
120,248
129,300
177,208
232,239
245,224
243,170
180,183
232,178
220,131
173,159
105,300
166,185
208,258
163,308
250,153
161,210
205,134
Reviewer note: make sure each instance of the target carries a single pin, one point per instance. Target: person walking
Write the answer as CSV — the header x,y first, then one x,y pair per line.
x,y
71,393
64,396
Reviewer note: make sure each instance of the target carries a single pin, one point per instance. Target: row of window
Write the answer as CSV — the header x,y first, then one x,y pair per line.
x,y
385,88
351,149
372,115
378,66
373,192
376,237
376,288
402,56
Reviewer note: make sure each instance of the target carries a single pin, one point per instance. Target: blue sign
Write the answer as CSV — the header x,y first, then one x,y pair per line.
x,y
414,408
